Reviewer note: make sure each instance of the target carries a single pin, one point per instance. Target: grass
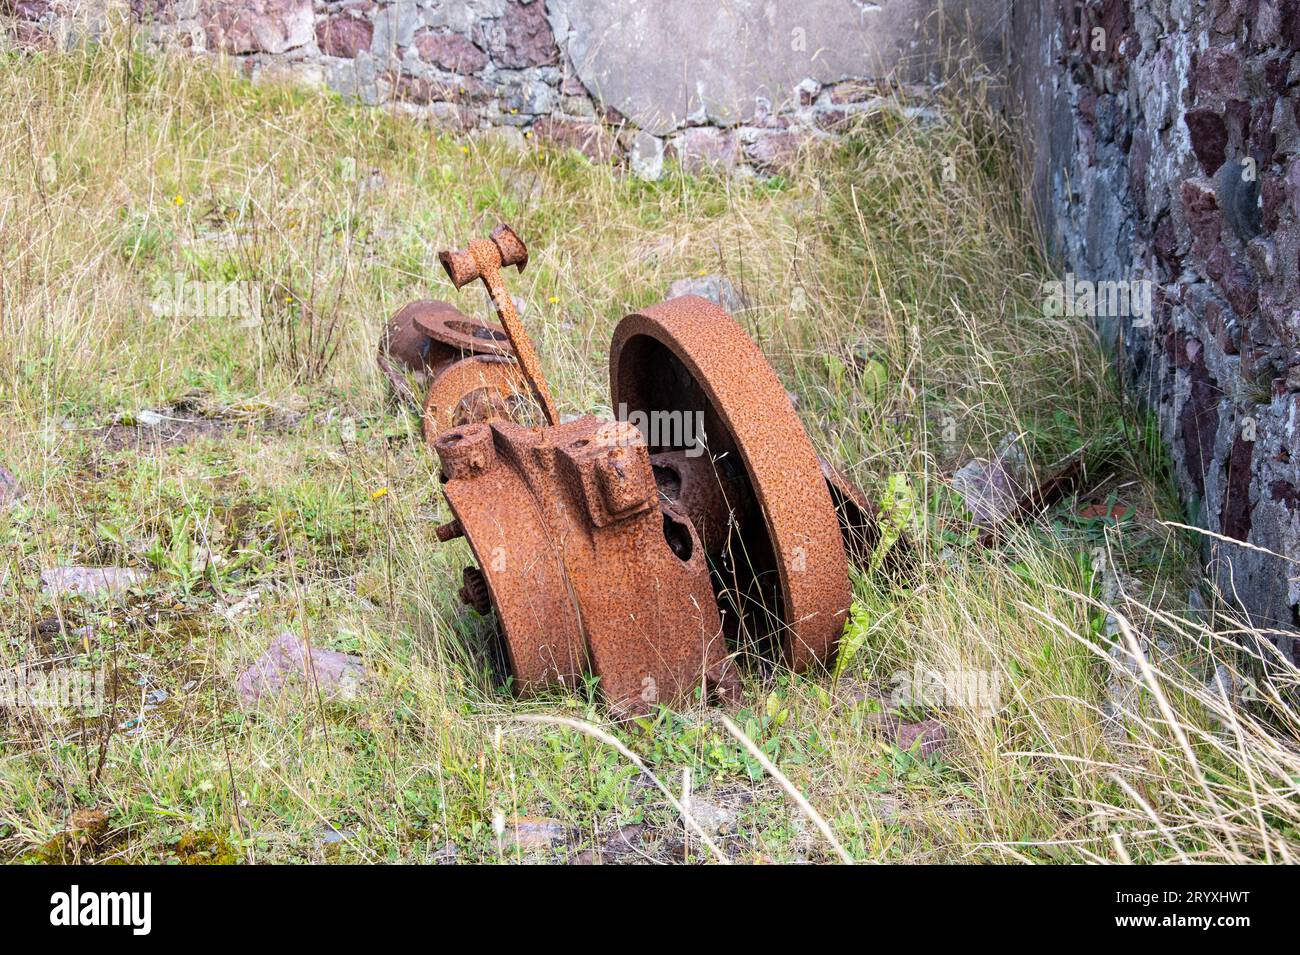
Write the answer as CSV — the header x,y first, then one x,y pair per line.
x,y
899,304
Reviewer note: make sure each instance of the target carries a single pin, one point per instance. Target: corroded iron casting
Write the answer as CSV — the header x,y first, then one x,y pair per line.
x,y
587,569
465,367
650,551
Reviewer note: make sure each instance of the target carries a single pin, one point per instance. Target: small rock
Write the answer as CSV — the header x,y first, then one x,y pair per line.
x,y
155,698
328,835
447,854
647,157
716,288
1223,683
713,818
86,828
285,663
530,833
530,98
992,488
89,581
149,419
929,736
624,841
9,488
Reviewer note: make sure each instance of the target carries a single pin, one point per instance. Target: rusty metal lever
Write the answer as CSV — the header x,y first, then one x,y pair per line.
x,y
484,259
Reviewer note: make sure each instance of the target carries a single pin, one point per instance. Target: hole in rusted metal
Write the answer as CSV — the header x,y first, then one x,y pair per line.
x,y
668,481
678,536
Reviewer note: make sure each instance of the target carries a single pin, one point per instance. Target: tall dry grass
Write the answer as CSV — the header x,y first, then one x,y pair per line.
x,y
900,304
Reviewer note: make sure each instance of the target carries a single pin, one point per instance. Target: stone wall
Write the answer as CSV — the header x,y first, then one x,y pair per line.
x,y
1164,141
742,84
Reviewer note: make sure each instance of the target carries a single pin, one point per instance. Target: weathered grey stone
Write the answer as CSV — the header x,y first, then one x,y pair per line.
x,y
993,488
460,16
257,26
647,156
662,64
533,833
578,106
395,27
713,816
308,75
716,288
357,79
509,136
90,581
531,98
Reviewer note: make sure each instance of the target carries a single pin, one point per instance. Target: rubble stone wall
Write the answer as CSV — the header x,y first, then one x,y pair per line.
x,y
1164,142
742,84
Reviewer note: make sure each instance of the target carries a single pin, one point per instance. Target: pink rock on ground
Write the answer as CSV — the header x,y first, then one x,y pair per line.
x,y
286,663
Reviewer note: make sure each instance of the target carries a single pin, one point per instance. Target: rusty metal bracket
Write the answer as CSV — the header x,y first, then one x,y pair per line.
x,y
586,569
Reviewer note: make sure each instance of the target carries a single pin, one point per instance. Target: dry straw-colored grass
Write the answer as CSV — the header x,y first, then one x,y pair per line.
x,y
899,305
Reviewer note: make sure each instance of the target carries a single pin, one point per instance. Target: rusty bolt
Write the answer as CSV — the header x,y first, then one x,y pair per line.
x,y
449,531
484,260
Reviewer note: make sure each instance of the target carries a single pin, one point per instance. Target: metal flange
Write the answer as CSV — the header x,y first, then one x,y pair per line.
x,y
425,337
477,388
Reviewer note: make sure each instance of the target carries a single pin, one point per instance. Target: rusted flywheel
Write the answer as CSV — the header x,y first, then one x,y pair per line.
x,y
780,564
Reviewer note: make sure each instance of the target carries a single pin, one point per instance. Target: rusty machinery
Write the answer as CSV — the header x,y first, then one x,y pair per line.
x,y
649,551
465,368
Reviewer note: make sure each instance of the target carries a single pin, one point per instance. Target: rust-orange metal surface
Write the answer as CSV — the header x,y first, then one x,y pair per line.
x,y
477,388
687,356
586,570
484,259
